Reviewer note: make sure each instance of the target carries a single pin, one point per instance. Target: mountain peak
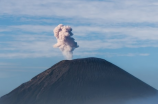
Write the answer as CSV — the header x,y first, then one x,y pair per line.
x,y
80,81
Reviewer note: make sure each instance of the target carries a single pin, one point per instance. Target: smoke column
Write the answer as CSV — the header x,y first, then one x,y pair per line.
x,y
65,42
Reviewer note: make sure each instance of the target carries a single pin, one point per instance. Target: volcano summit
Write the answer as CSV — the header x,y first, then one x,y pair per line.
x,y
80,81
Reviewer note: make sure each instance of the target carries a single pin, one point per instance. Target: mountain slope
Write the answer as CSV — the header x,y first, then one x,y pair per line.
x,y
80,81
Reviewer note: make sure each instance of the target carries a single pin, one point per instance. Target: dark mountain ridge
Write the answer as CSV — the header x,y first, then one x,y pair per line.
x,y
80,81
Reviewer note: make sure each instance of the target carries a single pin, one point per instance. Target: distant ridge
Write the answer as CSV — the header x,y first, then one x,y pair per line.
x,y
80,81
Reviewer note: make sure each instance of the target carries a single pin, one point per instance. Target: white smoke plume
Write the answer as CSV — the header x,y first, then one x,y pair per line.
x,y
65,42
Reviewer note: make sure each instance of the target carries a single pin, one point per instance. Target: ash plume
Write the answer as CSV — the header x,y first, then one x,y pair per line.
x,y
65,42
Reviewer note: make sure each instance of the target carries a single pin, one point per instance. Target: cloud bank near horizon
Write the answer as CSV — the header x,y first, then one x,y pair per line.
x,y
148,100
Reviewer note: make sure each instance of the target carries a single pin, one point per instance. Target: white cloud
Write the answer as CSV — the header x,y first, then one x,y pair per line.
x,y
24,46
5,64
144,54
146,33
107,54
40,45
27,55
30,46
114,11
133,54
33,28
2,30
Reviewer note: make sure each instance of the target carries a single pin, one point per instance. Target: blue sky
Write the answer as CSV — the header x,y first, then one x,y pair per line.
x,y
123,32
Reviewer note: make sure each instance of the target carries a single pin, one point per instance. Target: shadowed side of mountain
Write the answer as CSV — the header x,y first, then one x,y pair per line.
x,y
80,81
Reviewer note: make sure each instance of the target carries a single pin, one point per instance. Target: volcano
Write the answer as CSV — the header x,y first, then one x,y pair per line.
x,y
80,81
